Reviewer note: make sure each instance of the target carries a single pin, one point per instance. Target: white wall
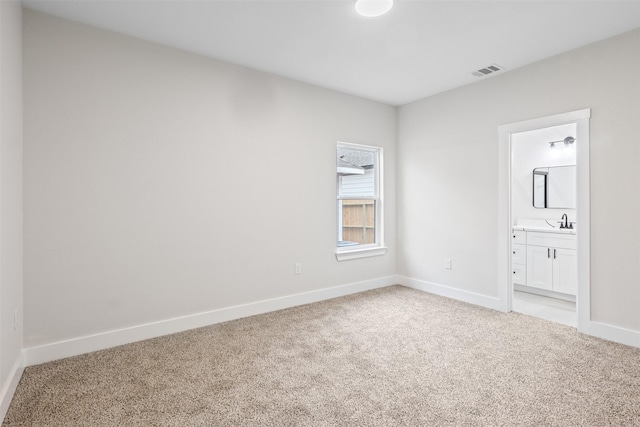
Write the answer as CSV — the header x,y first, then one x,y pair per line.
x,y
448,178
153,188
159,183
530,150
11,361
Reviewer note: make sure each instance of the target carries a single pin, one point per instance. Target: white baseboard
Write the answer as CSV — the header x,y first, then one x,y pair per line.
x,y
9,387
449,292
85,344
596,329
615,334
80,345
544,293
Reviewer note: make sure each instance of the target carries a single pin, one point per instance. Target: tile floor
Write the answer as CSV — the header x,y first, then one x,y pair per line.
x,y
552,309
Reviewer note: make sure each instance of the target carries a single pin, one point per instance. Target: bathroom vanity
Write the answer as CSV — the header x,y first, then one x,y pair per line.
x,y
544,257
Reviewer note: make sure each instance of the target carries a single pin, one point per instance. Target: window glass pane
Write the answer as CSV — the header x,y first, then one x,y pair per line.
x,y
359,200
356,172
357,222
358,185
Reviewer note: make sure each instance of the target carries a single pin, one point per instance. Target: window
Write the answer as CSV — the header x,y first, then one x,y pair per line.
x,y
359,201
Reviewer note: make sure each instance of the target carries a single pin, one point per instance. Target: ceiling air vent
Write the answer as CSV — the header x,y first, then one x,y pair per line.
x,y
493,68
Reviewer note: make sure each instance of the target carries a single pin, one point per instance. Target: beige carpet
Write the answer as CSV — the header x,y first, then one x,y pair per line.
x,y
392,356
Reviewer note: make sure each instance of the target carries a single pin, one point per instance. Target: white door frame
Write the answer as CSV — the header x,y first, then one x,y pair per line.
x,y
581,119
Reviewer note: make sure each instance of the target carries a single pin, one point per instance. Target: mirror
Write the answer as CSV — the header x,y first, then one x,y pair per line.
x,y
554,187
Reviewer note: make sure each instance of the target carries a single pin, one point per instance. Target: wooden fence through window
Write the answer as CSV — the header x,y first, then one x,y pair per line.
x,y
358,221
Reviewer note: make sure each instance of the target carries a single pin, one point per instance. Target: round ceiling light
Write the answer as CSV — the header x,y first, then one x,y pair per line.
x,y
372,8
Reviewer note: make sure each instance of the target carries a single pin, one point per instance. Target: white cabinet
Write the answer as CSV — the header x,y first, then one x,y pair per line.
x,y
552,262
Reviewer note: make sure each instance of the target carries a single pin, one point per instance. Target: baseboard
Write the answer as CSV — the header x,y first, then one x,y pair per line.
x,y
80,345
9,387
449,292
544,293
615,334
596,329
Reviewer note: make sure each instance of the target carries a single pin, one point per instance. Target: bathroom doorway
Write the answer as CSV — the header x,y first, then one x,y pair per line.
x,y
544,218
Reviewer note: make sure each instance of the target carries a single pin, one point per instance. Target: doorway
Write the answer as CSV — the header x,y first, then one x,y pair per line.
x,y
543,198
536,249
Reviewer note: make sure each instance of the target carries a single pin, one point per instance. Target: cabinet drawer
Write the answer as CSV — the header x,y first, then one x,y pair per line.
x,y
519,254
553,240
519,237
519,274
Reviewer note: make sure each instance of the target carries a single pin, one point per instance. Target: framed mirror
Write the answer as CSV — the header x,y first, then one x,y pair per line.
x,y
554,187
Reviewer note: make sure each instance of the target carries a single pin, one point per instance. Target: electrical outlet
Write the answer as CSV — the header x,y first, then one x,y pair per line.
x,y
15,319
298,268
447,263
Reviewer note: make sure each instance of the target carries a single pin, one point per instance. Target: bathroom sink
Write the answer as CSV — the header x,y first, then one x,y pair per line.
x,y
541,225
543,229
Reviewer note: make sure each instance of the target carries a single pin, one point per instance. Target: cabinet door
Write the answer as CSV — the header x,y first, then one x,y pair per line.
x,y
539,267
565,271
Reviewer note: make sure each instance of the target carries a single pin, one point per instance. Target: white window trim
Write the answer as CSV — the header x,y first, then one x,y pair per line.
x,y
346,255
378,248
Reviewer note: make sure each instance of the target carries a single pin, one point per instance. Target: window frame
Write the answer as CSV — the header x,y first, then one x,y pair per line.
x,y
377,248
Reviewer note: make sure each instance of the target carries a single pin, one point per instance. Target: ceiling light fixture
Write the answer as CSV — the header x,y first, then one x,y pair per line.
x,y
372,8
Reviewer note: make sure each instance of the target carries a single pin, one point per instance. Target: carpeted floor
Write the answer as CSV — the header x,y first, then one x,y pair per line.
x,y
389,357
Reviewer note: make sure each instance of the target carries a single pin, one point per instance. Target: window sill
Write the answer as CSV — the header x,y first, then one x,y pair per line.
x,y
360,253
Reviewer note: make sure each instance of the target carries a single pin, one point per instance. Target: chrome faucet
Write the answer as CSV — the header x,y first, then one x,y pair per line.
x,y
564,223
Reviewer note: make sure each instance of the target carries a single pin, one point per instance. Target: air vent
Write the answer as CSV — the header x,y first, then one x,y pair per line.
x,y
490,69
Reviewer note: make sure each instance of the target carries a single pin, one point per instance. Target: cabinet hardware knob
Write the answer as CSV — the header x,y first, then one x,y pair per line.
x,y
548,253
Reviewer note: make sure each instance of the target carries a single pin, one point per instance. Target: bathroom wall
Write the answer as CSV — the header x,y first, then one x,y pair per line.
x,y
530,150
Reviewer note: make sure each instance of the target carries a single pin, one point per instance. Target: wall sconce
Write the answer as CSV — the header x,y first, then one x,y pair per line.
x,y
567,141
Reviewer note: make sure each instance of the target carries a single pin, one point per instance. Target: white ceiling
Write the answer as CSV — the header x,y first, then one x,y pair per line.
x,y
420,48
